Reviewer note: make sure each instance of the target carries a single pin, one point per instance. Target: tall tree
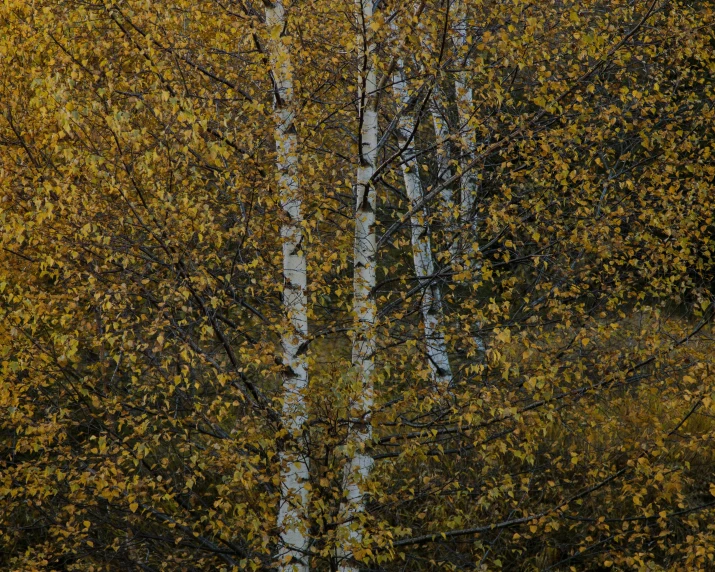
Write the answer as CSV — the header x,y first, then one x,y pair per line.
x,y
431,297
466,118
295,474
359,461
443,143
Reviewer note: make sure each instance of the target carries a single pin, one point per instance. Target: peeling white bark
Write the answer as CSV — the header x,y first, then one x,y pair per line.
x,y
359,463
294,472
431,302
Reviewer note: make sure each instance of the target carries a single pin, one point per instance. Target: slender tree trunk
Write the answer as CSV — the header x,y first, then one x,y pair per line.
x,y
431,302
465,111
438,110
294,472
469,180
359,463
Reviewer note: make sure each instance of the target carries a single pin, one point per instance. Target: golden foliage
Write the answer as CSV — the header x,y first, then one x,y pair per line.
x,y
140,287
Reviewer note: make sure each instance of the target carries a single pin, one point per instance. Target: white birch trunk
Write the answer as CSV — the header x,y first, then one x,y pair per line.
x,y
431,302
359,464
444,169
294,471
469,181
465,111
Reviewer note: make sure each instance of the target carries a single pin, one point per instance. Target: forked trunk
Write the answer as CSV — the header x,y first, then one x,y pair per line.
x,y
431,300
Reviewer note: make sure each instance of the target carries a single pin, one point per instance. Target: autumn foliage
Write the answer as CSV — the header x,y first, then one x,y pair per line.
x,y
558,242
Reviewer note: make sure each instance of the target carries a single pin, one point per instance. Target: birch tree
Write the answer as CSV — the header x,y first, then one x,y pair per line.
x,y
438,111
465,112
156,207
431,298
295,474
359,462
